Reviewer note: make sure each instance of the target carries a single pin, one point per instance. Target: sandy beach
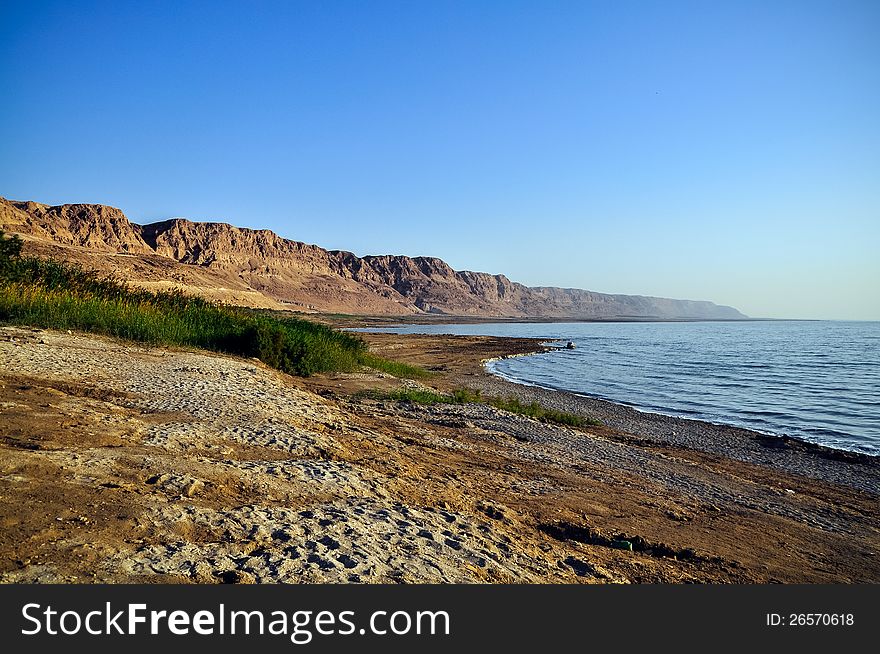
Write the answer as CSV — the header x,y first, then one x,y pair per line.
x,y
124,463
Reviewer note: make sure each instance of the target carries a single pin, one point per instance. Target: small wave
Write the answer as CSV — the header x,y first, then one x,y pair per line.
x,y
818,384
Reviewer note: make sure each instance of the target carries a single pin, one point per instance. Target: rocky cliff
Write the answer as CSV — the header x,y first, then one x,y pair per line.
x,y
259,268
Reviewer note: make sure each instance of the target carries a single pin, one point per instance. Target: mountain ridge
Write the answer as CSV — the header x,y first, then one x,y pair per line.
x,y
257,267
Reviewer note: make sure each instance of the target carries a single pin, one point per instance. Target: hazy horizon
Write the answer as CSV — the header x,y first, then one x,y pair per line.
x,y
728,153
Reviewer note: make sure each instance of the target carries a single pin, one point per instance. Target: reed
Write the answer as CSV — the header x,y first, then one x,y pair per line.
x,y
57,295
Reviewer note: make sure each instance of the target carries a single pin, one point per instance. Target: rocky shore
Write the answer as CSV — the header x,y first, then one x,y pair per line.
x,y
790,455
123,463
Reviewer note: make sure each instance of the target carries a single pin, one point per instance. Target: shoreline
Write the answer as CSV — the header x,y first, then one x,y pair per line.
x,y
543,346
345,321
651,429
787,453
773,469
820,449
127,463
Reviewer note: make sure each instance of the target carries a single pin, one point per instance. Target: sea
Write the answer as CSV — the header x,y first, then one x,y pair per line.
x,y
815,380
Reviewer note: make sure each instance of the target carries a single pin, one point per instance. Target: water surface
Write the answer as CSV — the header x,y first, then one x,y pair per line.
x,y
817,380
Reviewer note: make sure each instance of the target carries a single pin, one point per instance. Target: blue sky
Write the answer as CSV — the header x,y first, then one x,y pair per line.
x,y
704,150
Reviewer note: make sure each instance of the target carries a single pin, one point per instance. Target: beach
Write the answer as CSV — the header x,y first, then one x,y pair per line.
x,y
126,463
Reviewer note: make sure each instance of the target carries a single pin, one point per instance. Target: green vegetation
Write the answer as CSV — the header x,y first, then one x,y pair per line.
x,y
10,249
425,396
413,396
465,396
394,368
56,295
542,413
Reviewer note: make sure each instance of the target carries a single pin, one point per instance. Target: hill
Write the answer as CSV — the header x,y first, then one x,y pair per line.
x,y
258,268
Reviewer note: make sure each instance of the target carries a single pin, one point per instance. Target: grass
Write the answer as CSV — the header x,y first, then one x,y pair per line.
x,y
542,413
426,396
56,295
466,396
395,368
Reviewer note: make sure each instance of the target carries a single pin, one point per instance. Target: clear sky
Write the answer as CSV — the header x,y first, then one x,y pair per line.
x,y
727,151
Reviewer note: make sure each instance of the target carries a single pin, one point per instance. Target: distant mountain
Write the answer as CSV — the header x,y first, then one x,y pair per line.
x,y
259,268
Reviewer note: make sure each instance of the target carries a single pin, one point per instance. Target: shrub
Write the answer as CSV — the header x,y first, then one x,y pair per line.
x,y
57,295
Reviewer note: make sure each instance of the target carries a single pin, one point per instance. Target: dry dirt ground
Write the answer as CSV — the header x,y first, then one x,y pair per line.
x,y
123,463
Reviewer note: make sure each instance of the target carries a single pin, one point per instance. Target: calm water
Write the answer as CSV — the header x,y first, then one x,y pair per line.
x,y
819,381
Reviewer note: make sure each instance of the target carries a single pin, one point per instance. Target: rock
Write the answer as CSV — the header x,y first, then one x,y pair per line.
x,y
259,533
675,515
193,488
236,577
233,261
493,512
202,572
637,543
581,568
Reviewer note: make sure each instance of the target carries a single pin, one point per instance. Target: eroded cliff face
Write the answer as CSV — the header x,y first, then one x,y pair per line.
x,y
259,268
94,226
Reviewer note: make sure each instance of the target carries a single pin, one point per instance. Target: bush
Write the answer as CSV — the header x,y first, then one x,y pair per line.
x,y
57,295
10,247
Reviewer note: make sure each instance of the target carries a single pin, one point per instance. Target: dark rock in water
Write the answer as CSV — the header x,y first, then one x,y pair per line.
x,y
569,346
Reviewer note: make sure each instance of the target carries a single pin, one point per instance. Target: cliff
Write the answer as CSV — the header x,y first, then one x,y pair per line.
x,y
259,268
